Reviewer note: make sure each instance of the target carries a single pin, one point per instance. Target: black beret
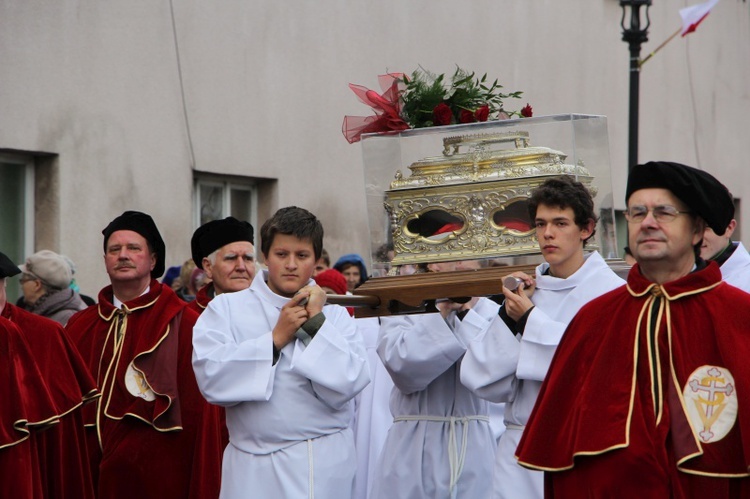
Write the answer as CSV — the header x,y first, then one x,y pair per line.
x,y
217,233
701,192
144,225
7,267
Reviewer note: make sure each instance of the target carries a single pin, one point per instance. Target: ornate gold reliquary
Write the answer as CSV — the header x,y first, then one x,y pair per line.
x,y
472,201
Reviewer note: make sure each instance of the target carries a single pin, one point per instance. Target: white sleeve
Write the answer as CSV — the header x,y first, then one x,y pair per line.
x,y
489,367
335,361
476,321
538,344
416,349
229,372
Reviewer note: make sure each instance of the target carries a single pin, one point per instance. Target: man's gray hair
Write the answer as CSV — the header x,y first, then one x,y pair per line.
x,y
212,256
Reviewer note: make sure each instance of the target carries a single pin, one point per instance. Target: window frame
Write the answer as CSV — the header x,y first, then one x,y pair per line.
x,y
26,162
227,185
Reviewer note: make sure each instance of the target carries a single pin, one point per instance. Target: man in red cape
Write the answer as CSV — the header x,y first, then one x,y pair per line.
x,y
152,434
60,450
27,408
648,395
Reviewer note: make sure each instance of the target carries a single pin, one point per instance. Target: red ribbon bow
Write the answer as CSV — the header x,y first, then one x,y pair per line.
x,y
387,107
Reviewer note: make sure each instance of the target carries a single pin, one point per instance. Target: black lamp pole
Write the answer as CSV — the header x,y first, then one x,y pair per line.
x,y
635,35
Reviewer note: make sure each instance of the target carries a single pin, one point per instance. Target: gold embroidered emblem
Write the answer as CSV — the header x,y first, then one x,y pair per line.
x,y
711,401
137,384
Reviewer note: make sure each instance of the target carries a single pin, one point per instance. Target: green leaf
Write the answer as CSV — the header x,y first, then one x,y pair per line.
x,y
462,91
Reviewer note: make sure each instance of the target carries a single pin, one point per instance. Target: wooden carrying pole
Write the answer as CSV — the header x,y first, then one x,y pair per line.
x,y
412,293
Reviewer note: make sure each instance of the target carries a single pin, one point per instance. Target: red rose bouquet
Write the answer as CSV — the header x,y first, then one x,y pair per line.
x,y
425,99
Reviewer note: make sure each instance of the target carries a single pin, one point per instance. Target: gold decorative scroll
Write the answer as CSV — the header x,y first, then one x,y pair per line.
x,y
465,205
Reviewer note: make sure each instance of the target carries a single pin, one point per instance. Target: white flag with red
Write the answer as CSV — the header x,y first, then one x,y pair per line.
x,y
693,15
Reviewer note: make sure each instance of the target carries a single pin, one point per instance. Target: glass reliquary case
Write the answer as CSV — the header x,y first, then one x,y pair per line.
x,y
461,192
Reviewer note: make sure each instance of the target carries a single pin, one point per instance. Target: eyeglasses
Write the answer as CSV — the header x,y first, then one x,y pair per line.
x,y
662,213
27,277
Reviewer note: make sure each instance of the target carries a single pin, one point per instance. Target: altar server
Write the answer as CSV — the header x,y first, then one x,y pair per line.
x,y
286,368
441,443
731,256
372,417
509,362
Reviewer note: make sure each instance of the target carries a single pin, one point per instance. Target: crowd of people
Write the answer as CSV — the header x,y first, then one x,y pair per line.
x,y
233,379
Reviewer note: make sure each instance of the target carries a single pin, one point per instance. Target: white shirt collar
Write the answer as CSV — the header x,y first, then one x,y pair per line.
x,y
118,304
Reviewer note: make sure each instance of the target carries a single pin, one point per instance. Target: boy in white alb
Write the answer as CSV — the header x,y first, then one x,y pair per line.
x,y
286,368
509,362
441,443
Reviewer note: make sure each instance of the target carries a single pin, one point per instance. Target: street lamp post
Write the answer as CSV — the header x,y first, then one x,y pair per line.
x,y
635,35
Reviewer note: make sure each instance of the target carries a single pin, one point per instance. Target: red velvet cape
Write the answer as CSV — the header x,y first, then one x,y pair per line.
x,y
166,447
201,299
62,449
596,400
27,406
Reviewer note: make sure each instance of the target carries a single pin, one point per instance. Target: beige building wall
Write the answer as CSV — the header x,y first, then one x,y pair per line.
x,y
131,98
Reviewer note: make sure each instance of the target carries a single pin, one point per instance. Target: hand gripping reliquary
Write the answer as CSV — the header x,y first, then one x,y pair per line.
x,y
472,201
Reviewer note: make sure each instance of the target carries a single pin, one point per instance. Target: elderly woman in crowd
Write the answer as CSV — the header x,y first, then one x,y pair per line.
x,y
45,282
